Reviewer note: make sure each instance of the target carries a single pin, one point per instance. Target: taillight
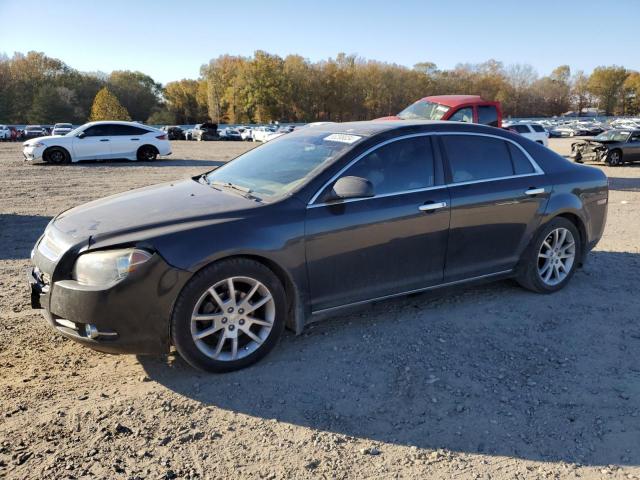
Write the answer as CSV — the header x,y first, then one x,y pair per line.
x,y
162,137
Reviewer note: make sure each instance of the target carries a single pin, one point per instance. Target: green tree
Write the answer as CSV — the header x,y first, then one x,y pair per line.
x,y
137,92
605,83
162,116
51,105
107,107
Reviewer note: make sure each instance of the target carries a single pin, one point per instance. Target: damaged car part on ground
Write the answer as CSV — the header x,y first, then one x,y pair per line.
x,y
311,223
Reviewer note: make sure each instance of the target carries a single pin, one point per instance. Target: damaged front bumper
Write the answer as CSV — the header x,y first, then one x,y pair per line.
x,y
587,151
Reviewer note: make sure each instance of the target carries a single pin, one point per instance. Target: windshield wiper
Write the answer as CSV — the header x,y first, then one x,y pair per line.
x,y
245,192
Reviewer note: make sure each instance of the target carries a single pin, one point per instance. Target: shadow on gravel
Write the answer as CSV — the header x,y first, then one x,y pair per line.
x,y
18,234
624,184
128,163
490,370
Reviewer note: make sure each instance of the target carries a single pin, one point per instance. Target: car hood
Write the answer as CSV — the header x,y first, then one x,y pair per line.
x,y
149,211
58,139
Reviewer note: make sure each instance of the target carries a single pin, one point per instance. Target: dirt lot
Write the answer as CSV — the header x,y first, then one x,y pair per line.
x,y
488,382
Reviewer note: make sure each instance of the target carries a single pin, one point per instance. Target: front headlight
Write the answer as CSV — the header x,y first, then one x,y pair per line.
x,y
107,266
35,145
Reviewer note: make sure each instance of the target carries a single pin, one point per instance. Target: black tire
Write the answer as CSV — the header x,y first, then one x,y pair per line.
x,y
147,153
56,155
528,276
614,158
187,300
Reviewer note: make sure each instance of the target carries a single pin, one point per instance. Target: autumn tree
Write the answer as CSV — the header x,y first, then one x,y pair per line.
x,y
107,107
631,89
605,83
580,91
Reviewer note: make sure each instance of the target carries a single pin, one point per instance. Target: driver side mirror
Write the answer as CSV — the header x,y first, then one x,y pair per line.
x,y
81,135
350,187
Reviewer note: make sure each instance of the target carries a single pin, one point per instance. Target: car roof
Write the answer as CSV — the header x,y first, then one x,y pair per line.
x,y
454,100
374,127
120,122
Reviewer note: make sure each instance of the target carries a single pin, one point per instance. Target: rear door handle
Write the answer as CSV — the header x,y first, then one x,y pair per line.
x,y
534,191
104,139
134,139
429,207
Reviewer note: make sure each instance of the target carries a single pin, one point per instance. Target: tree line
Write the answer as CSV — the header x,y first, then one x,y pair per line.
x,y
35,88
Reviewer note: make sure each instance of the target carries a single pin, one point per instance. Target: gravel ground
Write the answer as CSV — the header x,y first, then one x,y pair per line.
x,y
490,382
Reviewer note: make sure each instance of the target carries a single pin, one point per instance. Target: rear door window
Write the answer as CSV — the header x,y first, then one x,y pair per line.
x,y
521,128
521,164
474,157
127,130
488,115
538,128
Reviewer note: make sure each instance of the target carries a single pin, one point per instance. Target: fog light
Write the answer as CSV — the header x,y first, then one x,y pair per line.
x,y
91,331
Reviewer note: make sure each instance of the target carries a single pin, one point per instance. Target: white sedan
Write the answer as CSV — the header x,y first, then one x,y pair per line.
x,y
100,141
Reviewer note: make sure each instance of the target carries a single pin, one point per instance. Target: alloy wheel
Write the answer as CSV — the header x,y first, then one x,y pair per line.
x,y
56,156
556,256
233,318
614,158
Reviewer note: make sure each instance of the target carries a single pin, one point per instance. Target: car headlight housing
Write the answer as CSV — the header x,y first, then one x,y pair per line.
x,y
107,266
36,144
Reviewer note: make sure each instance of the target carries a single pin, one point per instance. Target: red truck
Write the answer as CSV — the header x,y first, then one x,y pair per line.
x,y
457,108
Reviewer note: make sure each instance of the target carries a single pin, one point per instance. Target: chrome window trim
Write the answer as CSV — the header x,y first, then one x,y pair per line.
x,y
534,164
382,195
358,158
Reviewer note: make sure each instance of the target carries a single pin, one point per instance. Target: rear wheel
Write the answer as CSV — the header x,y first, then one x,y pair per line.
x,y
147,153
229,316
551,259
56,155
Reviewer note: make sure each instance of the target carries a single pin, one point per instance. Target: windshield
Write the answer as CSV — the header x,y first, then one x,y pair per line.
x,y
613,135
278,167
423,110
75,131
62,125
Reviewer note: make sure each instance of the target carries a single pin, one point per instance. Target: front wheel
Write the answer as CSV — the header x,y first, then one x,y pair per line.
x,y
56,155
229,316
551,259
614,158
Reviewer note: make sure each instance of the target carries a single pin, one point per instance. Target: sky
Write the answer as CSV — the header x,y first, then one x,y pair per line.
x,y
170,40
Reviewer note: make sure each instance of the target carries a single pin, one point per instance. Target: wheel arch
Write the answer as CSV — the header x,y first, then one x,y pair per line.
x,y
296,317
579,223
51,147
148,145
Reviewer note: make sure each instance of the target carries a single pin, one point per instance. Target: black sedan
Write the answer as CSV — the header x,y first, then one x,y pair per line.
x,y
321,219
614,147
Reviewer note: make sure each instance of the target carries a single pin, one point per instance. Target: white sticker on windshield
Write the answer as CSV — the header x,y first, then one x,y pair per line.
x,y
343,138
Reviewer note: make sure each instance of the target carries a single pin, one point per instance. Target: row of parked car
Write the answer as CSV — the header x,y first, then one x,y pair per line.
x,y
211,131
16,134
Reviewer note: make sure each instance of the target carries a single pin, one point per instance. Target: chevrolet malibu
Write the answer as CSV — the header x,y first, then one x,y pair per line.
x,y
314,222
100,141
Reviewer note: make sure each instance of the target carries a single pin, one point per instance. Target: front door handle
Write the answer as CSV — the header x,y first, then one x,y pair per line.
x,y
104,139
534,191
429,207
134,139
